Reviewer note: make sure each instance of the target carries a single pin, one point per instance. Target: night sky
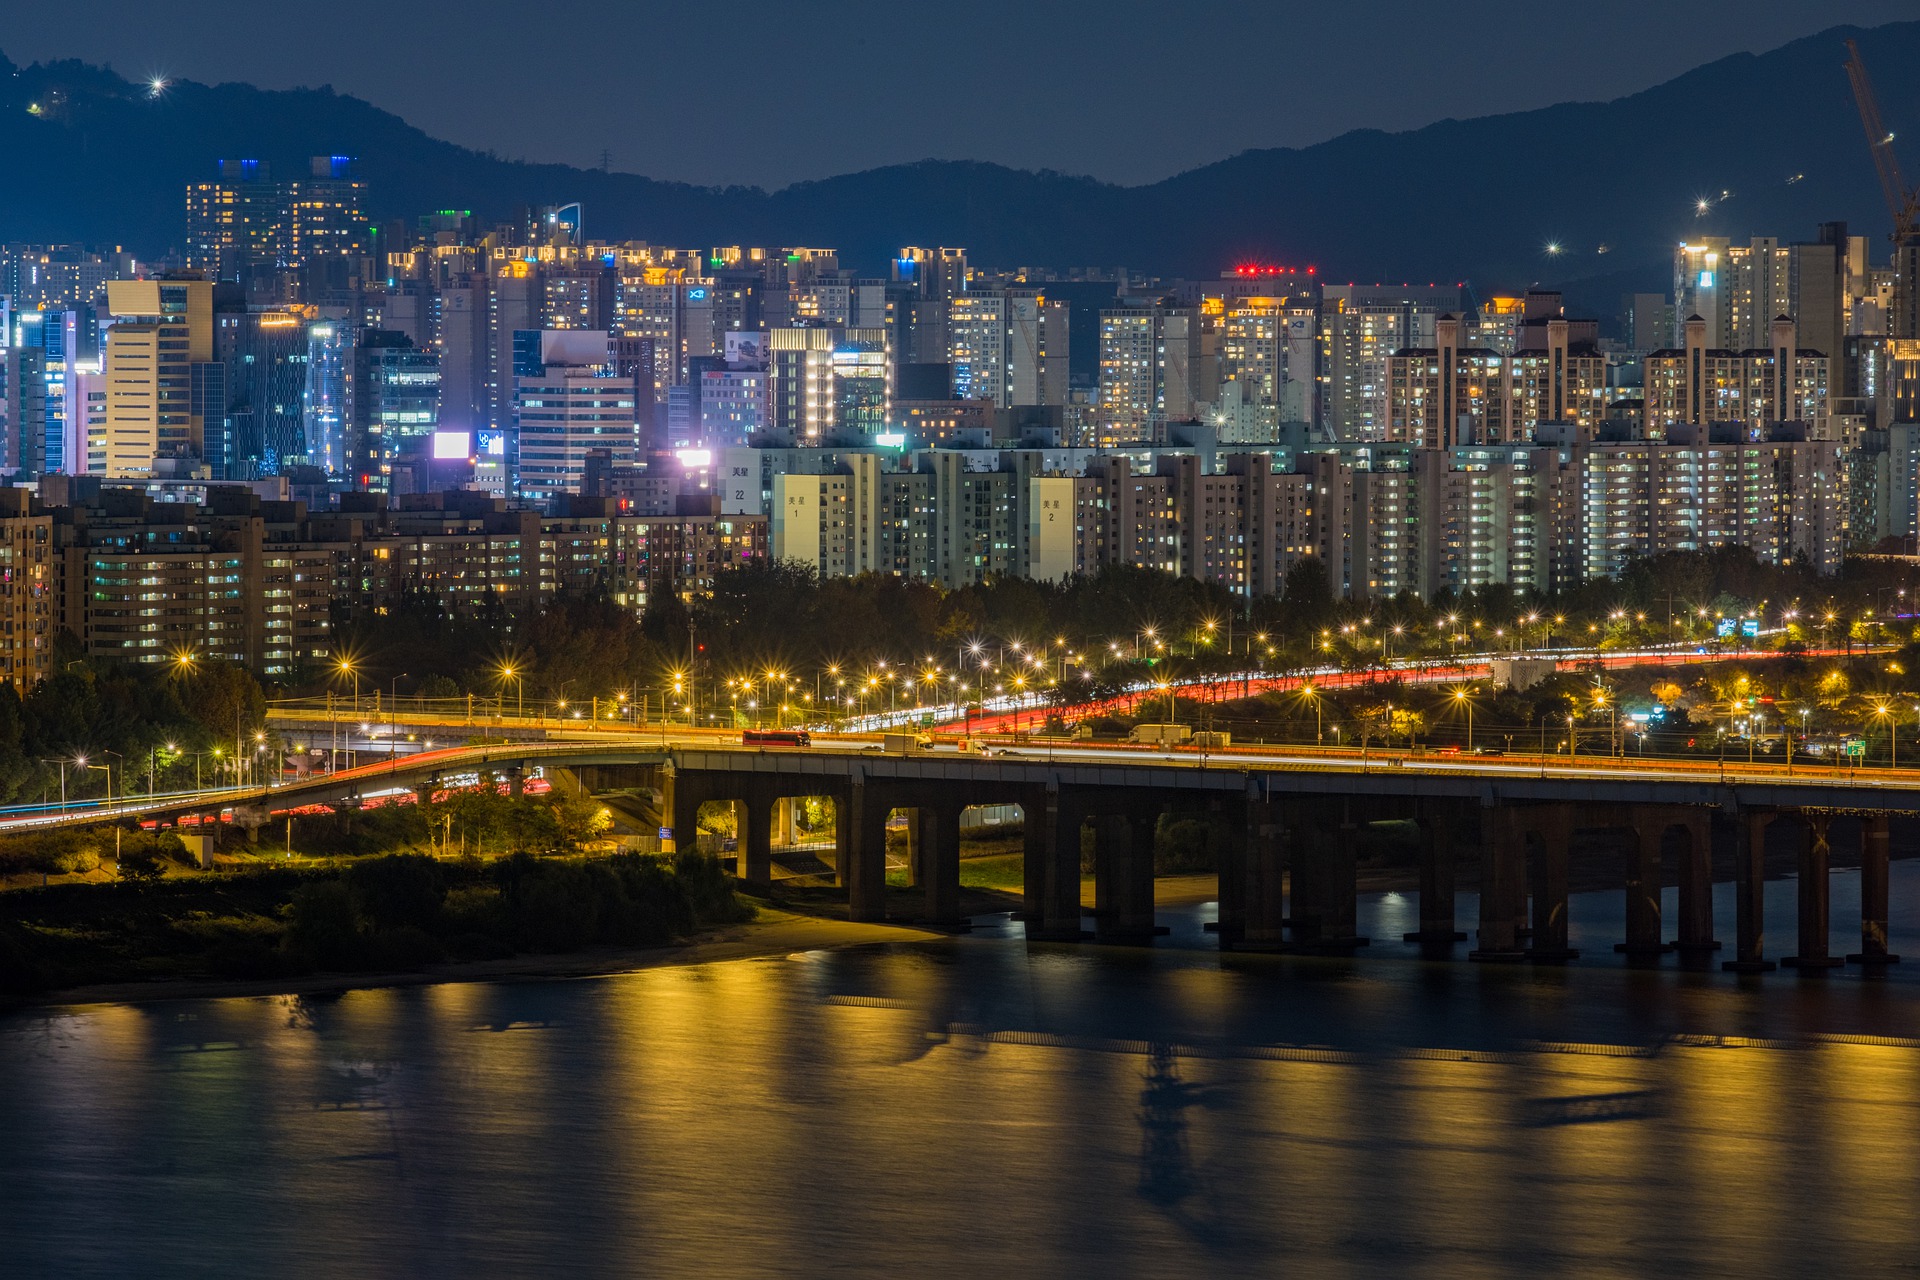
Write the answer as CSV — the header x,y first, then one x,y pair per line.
x,y
772,91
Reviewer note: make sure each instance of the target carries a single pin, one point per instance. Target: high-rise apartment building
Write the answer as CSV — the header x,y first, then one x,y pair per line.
x,y
244,221
1151,370
1740,290
1008,347
927,281
1361,326
61,277
1698,384
1451,394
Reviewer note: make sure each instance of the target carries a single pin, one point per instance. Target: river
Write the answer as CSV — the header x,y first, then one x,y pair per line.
x,y
979,1107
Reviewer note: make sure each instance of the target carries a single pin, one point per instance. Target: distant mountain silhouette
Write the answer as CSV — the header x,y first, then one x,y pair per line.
x,y
97,160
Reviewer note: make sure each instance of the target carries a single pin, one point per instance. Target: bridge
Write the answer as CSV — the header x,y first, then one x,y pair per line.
x,y
1288,880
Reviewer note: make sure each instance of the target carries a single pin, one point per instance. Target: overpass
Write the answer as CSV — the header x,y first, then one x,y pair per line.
x,y
1288,881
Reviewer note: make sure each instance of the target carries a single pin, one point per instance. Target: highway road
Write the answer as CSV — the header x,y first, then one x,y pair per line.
x,y
579,742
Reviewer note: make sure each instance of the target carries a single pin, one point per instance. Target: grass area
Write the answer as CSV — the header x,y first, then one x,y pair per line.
x,y
1002,872
1005,872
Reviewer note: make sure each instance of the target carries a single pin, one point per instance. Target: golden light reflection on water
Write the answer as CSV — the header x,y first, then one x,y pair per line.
x,y
980,1110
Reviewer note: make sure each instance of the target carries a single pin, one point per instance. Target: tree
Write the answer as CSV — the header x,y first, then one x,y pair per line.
x,y
1307,591
224,698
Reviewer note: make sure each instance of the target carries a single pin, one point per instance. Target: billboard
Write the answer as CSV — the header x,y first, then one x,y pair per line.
x,y
746,350
451,445
574,346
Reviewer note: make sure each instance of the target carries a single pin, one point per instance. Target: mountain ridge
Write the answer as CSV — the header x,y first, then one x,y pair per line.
x,y
1476,198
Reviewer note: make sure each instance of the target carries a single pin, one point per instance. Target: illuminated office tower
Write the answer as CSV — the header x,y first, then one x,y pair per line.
x,y
1008,347
323,413
160,370
733,406
23,411
578,298
265,356
55,335
569,401
648,304
87,421
393,394
829,384
513,306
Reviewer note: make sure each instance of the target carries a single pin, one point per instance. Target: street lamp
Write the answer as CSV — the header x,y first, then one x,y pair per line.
x,y
1312,695
346,666
508,672
1462,699
1601,702
1884,712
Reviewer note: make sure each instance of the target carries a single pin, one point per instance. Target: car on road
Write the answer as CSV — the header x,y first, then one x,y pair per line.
x,y
1488,751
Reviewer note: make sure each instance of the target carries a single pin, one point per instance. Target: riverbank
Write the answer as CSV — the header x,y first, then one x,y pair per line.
x,y
772,932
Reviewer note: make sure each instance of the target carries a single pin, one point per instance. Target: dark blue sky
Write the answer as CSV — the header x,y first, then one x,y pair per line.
x,y
773,91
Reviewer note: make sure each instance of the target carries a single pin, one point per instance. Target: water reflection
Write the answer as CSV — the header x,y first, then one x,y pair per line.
x,y
982,1106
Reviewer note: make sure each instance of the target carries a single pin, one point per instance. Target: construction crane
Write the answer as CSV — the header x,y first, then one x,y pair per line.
x,y
1903,202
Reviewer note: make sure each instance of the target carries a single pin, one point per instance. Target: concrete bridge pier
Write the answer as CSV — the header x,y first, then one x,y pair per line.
x,y
938,827
1438,882
865,859
1694,878
1645,852
680,802
1051,865
1263,875
1553,835
1231,868
1325,901
843,829
1813,898
1875,842
1749,896
1502,885
1123,850
753,839
1060,816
